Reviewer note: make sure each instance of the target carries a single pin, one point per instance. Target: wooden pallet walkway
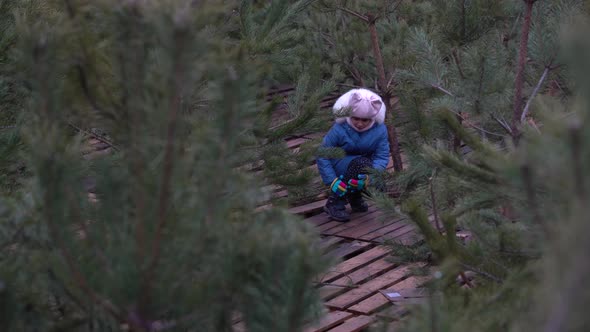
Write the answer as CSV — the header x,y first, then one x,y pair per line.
x,y
355,289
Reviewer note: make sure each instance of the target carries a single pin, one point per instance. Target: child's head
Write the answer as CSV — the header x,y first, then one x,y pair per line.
x,y
366,108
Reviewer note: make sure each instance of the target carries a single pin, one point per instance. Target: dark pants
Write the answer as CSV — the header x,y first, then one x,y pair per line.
x,y
357,166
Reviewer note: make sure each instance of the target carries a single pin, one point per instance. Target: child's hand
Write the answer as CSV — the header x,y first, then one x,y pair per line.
x,y
360,184
339,187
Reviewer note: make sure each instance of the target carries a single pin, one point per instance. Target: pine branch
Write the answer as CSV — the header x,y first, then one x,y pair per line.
x,y
535,91
433,200
519,80
168,163
77,275
440,88
577,152
95,136
527,178
354,13
458,64
502,124
47,199
482,273
76,215
377,54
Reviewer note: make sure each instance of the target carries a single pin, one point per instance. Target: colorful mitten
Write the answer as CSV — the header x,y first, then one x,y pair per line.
x,y
338,186
359,184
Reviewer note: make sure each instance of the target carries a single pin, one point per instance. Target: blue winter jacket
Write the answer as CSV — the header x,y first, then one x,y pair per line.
x,y
372,144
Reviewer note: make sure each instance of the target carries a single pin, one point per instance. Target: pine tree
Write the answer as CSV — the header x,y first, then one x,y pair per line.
x,y
507,197
173,240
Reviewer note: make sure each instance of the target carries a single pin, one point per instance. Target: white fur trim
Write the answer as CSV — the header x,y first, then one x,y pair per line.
x,y
343,101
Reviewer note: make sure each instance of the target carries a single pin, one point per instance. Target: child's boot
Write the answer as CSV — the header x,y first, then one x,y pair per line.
x,y
357,203
336,208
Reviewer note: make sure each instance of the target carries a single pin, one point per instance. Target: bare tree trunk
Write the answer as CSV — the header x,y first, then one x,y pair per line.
x,y
519,80
385,94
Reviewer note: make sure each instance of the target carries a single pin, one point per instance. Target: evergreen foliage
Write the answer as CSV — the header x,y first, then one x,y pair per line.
x,y
173,240
512,200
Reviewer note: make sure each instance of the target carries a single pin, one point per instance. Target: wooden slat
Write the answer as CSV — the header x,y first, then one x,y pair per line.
x,y
308,208
385,230
355,263
327,226
367,227
328,243
397,233
319,219
379,301
355,324
357,277
408,239
348,249
365,290
356,220
329,321
407,235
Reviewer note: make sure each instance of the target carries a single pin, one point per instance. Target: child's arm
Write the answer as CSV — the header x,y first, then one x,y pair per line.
x,y
325,168
381,155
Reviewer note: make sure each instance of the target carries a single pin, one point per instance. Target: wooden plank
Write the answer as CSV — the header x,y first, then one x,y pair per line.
x,y
379,301
355,324
319,219
329,321
392,236
366,290
404,235
328,243
348,249
355,263
325,227
367,227
392,313
371,304
308,208
356,219
384,230
351,280
410,238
